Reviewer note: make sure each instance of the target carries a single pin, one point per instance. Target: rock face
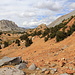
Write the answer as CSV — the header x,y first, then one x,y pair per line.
x,y
10,61
6,25
11,71
42,26
60,19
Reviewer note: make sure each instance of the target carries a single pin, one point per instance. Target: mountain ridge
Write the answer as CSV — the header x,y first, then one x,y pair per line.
x,y
60,19
6,25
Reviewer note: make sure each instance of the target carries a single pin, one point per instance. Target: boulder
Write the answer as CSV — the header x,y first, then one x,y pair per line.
x,y
64,47
64,74
44,69
37,68
11,71
32,67
10,61
53,65
21,66
52,72
54,69
47,72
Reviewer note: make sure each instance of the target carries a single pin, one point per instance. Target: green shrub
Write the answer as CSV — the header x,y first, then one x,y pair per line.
x,y
0,47
18,42
45,39
39,32
9,35
60,36
1,33
28,42
52,35
6,44
24,37
34,33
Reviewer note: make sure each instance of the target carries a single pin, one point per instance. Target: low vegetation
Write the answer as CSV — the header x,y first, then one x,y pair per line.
x,y
17,42
0,33
47,33
6,44
28,41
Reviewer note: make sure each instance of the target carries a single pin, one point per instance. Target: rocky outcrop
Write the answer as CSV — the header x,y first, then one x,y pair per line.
x,y
10,61
42,26
6,25
60,19
11,71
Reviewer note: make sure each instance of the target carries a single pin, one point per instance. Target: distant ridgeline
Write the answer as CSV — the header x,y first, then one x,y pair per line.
x,y
6,25
59,32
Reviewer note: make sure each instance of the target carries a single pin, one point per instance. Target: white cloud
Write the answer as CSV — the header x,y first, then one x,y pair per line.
x,y
51,5
31,13
72,6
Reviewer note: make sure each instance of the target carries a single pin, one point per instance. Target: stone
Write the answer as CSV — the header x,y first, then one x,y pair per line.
x,y
64,47
66,67
44,69
64,74
2,46
47,72
73,73
52,72
9,61
21,66
32,67
73,68
33,74
56,54
11,71
70,68
62,64
70,71
37,68
53,65
54,69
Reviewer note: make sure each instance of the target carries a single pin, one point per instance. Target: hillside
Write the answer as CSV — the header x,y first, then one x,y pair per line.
x,y
6,25
44,54
60,19
48,48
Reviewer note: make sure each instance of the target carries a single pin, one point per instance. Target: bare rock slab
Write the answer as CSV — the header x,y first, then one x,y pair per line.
x,y
11,71
8,60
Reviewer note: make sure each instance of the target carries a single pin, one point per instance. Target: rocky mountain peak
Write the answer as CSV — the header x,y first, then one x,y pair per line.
x,y
6,25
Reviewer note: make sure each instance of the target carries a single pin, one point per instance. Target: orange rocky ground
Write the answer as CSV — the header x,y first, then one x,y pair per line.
x,y
44,54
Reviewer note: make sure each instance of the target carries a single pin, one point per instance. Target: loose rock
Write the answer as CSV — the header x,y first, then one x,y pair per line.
x,y
44,69
32,67
21,66
47,72
52,71
64,74
53,65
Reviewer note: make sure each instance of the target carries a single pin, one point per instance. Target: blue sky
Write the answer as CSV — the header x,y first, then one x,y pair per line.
x,y
31,13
